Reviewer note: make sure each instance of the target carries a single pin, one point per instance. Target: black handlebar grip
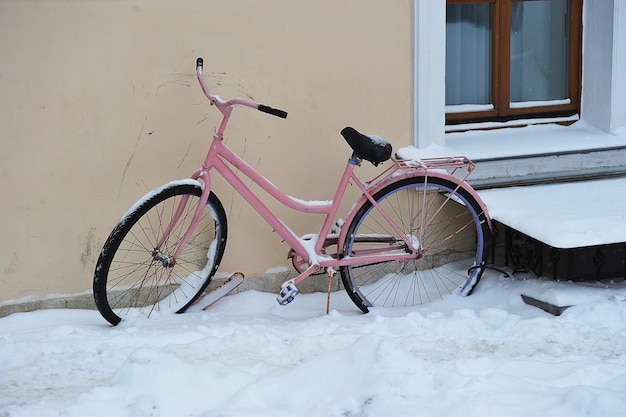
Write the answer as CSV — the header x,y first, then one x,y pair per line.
x,y
272,111
199,62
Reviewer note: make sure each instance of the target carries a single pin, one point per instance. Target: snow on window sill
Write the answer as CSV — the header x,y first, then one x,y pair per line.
x,y
527,104
514,141
467,108
511,123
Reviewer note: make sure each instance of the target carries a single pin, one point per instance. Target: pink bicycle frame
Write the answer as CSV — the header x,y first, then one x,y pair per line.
x,y
221,158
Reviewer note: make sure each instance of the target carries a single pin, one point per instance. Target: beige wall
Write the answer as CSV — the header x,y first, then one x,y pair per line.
x,y
99,104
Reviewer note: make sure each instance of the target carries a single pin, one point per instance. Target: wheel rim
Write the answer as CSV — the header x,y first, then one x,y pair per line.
x,y
141,277
446,226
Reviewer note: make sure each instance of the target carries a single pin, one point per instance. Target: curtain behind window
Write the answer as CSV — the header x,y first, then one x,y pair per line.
x,y
469,53
540,50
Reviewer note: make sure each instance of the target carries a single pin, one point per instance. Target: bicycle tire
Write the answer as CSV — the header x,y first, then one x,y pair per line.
x,y
130,278
445,221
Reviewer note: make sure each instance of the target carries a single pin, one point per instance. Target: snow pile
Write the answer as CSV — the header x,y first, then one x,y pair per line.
x,y
487,354
529,140
570,215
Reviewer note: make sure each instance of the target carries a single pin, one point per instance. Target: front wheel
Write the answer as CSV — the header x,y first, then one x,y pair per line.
x,y
442,221
135,273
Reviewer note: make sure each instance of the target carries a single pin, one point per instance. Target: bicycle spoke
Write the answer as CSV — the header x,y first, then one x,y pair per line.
x,y
133,273
438,220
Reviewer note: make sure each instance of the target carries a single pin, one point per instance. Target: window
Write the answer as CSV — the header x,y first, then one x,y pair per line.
x,y
512,59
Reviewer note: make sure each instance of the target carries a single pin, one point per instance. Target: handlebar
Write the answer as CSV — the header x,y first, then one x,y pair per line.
x,y
226,105
272,111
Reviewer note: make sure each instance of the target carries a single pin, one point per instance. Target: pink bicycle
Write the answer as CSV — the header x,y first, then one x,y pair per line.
x,y
418,231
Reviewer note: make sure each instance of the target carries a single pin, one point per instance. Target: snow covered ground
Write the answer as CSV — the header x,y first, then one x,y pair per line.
x,y
485,355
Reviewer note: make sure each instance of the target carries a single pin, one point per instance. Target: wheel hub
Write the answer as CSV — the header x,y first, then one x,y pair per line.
x,y
166,261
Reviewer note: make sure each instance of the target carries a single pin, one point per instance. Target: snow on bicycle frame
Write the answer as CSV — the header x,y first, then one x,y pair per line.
x,y
311,248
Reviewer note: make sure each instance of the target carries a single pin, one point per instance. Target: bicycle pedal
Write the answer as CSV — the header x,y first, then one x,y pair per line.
x,y
288,292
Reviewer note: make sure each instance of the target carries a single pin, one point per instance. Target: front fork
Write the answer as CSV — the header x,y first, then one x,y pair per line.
x,y
170,261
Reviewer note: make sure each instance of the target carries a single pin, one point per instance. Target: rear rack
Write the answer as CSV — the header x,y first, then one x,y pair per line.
x,y
449,165
453,163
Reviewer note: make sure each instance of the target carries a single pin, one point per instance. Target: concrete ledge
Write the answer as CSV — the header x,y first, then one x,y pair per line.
x,y
549,168
271,283
81,302
265,283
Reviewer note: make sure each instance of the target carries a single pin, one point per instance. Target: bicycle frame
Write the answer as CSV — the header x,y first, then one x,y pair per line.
x,y
220,158
416,232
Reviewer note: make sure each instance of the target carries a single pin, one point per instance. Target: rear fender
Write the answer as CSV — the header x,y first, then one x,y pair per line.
x,y
401,175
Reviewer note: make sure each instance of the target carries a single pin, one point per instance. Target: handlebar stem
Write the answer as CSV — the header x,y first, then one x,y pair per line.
x,y
224,106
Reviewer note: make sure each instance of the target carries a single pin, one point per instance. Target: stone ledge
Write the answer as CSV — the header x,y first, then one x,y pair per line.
x,y
81,302
264,283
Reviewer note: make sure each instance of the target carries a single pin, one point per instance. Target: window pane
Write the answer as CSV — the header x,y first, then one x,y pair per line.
x,y
468,53
540,50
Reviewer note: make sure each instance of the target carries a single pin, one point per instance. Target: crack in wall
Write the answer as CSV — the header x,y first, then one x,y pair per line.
x,y
130,160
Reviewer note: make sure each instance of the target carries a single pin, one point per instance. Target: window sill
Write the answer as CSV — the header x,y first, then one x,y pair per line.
x,y
531,154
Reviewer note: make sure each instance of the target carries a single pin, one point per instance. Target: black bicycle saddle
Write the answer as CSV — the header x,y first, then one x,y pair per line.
x,y
371,148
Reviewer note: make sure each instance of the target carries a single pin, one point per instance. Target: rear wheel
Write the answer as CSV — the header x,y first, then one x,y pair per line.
x,y
445,224
136,274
